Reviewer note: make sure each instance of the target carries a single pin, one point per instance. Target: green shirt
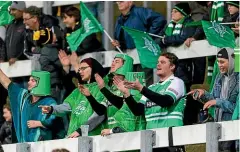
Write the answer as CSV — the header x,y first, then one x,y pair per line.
x,y
159,117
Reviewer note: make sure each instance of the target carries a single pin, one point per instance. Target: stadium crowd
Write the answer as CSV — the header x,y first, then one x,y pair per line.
x,y
55,102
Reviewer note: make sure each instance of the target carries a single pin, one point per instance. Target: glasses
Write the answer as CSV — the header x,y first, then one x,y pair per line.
x,y
26,19
82,68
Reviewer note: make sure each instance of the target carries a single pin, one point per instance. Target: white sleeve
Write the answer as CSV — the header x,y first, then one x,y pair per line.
x,y
176,89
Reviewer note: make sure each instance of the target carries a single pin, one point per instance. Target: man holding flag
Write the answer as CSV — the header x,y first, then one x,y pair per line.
x,y
139,18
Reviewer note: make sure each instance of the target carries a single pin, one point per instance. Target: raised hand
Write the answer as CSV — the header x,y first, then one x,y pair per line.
x,y
120,85
136,85
99,81
84,90
64,58
115,43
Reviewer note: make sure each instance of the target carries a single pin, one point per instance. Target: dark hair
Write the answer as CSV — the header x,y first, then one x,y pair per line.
x,y
173,59
7,106
73,12
60,150
33,11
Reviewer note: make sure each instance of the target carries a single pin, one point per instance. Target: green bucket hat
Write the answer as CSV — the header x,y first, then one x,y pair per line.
x,y
127,65
43,83
133,76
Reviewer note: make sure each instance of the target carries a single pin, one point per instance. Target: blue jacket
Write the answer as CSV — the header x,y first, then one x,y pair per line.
x,y
139,18
228,105
176,40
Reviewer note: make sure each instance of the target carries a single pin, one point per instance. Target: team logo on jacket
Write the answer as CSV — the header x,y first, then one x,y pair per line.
x,y
150,104
80,108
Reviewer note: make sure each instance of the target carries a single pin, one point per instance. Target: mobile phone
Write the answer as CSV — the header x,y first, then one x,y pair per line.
x,y
195,95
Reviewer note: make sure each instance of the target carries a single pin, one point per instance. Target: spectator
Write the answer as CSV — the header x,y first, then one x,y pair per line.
x,y
225,91
6,128
3,91
29,122
120,117
36,22
161,100
175,33
197,10
72,20
139,18
77,103
60,150
233,9
15,33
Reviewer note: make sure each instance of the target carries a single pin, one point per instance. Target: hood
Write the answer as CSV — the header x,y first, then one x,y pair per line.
x,y
48,21
230,52
96,68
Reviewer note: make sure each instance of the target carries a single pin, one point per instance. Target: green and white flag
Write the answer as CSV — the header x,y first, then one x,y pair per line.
x,y
218,35
5,17
89,25
237,60
148,50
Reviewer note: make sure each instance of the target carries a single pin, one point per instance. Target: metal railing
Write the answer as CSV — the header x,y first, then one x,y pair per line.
x,y
210,133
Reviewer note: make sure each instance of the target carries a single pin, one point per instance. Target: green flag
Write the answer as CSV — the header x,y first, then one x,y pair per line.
x,y
148,50
5,17
219,35
89,25
237,59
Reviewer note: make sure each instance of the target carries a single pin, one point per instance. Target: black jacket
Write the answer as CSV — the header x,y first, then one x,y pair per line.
x,y
90,43
49,60
176,40
2,50
15,40
232,18
6,133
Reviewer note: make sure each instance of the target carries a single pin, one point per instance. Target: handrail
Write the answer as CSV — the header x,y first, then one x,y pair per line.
x,y
185,135
197,49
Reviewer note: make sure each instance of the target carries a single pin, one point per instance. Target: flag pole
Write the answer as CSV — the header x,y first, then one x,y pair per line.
x,y
155,35
230,23
112,40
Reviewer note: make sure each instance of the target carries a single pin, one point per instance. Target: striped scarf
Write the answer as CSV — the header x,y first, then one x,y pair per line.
x,y
174,30
217,11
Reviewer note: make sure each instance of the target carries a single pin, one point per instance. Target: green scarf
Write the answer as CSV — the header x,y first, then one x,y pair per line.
x,y
217,11
174,30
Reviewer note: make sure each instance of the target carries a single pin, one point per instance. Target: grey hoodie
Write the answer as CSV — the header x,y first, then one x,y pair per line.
x,y
225,91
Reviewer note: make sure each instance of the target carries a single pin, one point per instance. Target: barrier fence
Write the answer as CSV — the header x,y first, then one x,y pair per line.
x,y
209,133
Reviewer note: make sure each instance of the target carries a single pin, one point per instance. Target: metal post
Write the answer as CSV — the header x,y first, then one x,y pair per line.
x,y
85,144
47,7
148,140
23,147
146,4
213,134
169,10
108,23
